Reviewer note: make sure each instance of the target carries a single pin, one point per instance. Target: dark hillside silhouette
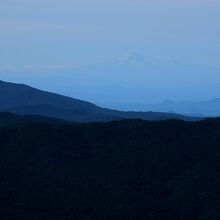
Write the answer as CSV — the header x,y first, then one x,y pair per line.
x,y
24,100
130,169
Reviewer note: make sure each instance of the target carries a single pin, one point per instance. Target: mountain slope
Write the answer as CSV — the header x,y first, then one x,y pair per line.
x,y
24,100
117,170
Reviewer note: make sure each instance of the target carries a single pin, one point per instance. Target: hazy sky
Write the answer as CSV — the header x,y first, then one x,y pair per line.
x,y
41,41
72,32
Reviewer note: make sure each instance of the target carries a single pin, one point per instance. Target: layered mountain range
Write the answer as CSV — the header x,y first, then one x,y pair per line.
x,y
24,100
209,108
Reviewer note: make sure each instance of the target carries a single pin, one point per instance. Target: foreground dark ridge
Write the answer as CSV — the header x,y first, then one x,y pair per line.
x,y
129,169
25,100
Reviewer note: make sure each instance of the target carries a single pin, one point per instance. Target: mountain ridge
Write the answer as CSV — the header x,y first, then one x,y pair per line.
x,y
209,108
25,100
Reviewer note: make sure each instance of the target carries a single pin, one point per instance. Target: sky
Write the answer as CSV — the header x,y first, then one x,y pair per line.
x,y
53,34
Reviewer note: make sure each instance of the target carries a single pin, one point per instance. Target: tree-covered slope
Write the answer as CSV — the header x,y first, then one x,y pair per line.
x,y
25,100
129,169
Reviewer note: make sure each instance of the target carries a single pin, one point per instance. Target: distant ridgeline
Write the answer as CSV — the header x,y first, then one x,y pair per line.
x,y
130,169
24,100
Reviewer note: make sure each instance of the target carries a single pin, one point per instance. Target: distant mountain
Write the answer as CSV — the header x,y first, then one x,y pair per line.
x,y
205,108
209,108
24,100
131,169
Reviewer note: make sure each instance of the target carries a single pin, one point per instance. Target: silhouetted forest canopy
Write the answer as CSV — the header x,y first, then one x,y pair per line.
x,y
131,169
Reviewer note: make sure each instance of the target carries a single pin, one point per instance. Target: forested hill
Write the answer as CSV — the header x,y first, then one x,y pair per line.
x,y
25,100
130,169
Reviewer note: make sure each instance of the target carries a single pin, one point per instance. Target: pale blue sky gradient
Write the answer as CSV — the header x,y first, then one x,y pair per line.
x,y
43,41
72,32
